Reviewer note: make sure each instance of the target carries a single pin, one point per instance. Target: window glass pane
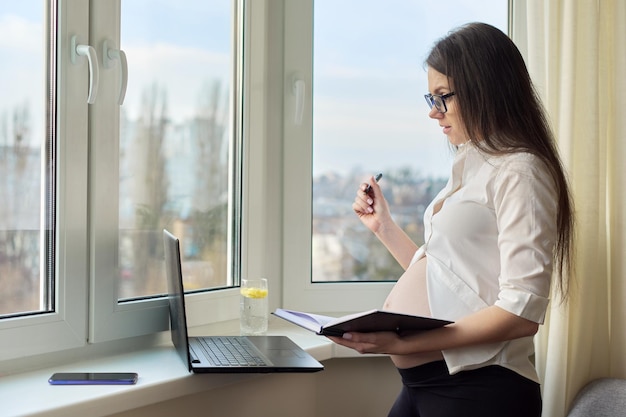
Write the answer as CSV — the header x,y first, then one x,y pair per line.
x,y
369,116
175,142
25,286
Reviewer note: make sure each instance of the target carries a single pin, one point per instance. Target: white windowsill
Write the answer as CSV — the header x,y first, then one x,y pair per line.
x,y
162,376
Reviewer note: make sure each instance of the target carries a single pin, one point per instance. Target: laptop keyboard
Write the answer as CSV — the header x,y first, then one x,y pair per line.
x,y
231,351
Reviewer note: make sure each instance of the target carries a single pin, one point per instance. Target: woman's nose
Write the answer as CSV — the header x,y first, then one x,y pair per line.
x,y
434,113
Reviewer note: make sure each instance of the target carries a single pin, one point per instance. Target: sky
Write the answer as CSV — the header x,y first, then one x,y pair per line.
x,y
21,78
369,78
369,81
184,44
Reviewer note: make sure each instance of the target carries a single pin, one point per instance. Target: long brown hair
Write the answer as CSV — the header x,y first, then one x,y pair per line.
x,y
502,113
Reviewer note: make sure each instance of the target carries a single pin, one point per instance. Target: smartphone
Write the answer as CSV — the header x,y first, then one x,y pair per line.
x,y
93,378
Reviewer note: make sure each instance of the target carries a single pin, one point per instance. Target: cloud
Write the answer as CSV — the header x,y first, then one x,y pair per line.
x,y
181,71
17,33
22,72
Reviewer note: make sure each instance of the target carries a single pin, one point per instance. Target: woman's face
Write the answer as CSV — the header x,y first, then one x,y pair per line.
x,y
449,121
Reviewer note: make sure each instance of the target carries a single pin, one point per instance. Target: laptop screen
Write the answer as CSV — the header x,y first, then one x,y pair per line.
x,y
178,319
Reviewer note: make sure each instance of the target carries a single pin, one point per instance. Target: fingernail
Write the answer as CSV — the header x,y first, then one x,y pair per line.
x,y
370,210
347,336
370,201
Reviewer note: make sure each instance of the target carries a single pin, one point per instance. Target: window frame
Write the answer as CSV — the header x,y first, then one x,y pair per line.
x,y
298,291
111,319
66,327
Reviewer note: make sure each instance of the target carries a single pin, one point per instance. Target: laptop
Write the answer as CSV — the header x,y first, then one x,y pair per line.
x,y
259,354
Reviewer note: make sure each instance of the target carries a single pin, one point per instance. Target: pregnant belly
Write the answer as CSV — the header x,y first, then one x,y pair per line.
x,y
409,296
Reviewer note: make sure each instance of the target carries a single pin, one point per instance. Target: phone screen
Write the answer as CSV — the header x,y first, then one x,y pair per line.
x,y
93,378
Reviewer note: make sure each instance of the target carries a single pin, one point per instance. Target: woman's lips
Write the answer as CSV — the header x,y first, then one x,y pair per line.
x,y
446,129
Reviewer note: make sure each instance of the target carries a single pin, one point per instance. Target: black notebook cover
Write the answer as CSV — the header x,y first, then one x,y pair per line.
x,y
365,322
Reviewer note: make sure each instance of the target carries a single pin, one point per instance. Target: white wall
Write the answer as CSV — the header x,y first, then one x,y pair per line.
x,y
355,387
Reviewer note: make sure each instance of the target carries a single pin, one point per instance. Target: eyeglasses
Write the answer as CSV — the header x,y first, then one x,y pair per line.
x,y
438,100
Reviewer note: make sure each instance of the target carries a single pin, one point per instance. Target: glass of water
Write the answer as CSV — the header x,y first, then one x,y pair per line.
x,y
253,307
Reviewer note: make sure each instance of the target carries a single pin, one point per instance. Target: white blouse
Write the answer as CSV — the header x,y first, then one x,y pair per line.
x,y
491,243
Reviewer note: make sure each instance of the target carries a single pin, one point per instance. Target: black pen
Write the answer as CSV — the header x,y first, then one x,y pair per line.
x,y
369,187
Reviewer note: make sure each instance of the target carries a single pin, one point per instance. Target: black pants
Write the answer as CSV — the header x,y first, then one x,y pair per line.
x,y
430,391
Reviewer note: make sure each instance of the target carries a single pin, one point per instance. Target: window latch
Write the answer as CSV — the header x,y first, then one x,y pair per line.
x,y
92,58
109,56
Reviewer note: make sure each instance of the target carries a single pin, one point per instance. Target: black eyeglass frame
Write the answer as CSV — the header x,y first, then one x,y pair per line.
x,y
438,100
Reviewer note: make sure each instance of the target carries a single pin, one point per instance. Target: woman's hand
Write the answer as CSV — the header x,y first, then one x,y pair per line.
x,y
375,342
372,208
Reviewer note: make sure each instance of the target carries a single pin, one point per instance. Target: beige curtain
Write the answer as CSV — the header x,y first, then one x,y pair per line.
x,y
577,58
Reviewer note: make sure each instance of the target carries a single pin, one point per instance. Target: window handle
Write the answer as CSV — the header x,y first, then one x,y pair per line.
x,y
299,90
110,54
92,58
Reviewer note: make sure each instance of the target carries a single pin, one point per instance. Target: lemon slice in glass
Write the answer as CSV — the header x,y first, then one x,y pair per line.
x,y
254,292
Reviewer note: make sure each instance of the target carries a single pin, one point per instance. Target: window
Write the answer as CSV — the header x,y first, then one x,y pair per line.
x,y
365,115
174,144
92,185
367,84
48,209
172,159
26,177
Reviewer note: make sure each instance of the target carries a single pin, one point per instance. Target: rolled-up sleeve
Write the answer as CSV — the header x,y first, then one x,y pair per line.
x,y
525,206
